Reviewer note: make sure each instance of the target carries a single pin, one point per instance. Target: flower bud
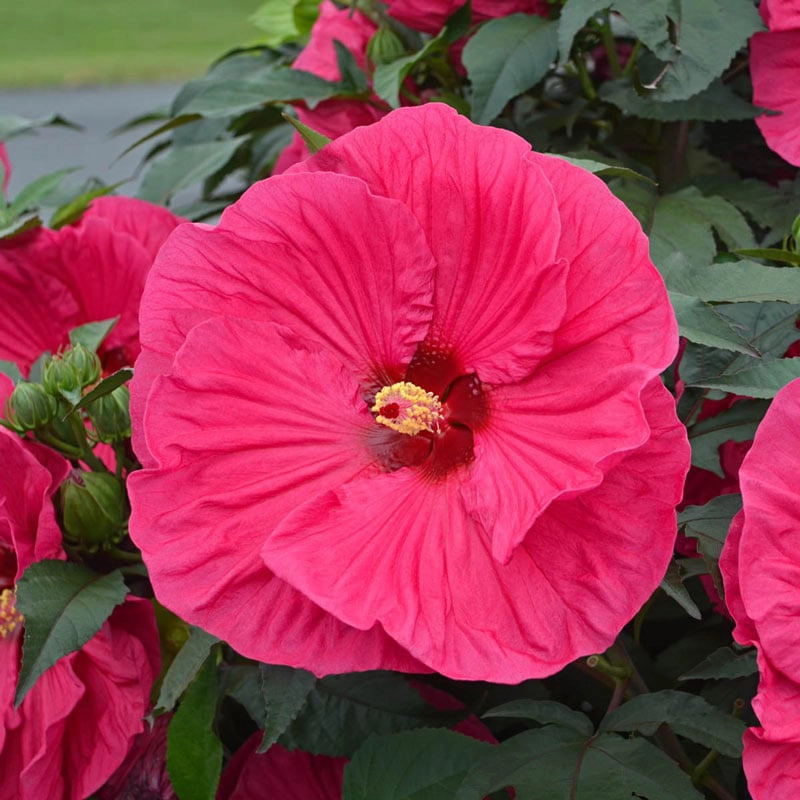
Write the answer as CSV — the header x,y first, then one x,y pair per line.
x,y
385,46
85,362
60,377
110,415
29,407
93,505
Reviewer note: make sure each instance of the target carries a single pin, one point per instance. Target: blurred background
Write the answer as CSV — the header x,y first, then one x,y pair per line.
x,y
98,64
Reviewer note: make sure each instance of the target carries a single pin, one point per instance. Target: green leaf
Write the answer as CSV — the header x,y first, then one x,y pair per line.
x,y
285,692
604,170
64,605
71,211
284,20
184,668
716,103
106,386
183,166
687,714
773,254
672,585
30,196
11,124
699,322
353,76
709,34
506,57
92,334
684,221
709,523
344,710
764,379
573,17
314,141
544,712
226,97
738,423
723,663
413,765
194,753
170,124
10,369
733,281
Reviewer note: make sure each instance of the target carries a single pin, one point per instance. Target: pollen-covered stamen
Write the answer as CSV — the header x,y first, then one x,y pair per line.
x,y
10,618
406,408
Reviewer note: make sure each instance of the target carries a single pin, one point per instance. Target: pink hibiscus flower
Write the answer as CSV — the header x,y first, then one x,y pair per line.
x,y
6,167
430,15
408,396
775,69
333,118
761,570
53,281
76,724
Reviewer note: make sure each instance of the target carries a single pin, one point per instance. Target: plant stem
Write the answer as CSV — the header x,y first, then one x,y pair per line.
x,y
583,77
610,45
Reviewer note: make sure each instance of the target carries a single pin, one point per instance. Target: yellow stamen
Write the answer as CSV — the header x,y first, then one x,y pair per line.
x,y
10,618
406,408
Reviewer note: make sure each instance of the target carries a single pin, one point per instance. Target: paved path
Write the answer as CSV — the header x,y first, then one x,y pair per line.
x,y
99,109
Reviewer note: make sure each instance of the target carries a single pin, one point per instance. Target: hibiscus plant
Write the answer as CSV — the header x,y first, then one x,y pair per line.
x,y
427,427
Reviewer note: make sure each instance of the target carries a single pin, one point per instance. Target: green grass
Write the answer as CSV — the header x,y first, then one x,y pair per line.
x,y
69,42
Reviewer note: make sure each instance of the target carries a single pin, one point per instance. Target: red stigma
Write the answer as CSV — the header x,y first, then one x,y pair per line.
x,y
390,411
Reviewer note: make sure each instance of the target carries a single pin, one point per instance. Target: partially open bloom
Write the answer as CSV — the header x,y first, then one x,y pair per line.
x,y
499,309
761,568
53,281
775,69
430,15
76,724
332,118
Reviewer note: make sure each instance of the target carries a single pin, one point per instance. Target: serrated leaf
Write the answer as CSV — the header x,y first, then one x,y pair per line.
x,y
92,334
764,379
64,605
723,663
183,166
733,281
544,712
235,95
672,585
344,710
738,423
687,714
716,103
194,753
506,57
184,668
699,322
709,34
709,523
285,691
413,765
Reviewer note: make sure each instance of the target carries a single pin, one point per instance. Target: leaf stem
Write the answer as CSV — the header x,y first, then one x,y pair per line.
x,y
610,45
583,77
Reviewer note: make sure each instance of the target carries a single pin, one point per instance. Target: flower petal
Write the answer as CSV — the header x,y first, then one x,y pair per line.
x,y
245,428
498,293
772,767
402,550
361,289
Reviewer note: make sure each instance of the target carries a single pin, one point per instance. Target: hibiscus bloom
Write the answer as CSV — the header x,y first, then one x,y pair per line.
x,y
401,409
430,15
53,281
76,724
761,570
775,69
332,118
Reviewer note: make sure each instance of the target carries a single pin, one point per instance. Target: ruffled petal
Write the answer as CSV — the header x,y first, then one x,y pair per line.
x,y
362,289
775,68
744,632
246,428
780,15
499,294
772,767
430,15
402,550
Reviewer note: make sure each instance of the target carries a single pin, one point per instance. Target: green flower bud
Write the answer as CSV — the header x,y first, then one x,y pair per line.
x,y
110,415
94,508
29,407
385,46
85,362
59,377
